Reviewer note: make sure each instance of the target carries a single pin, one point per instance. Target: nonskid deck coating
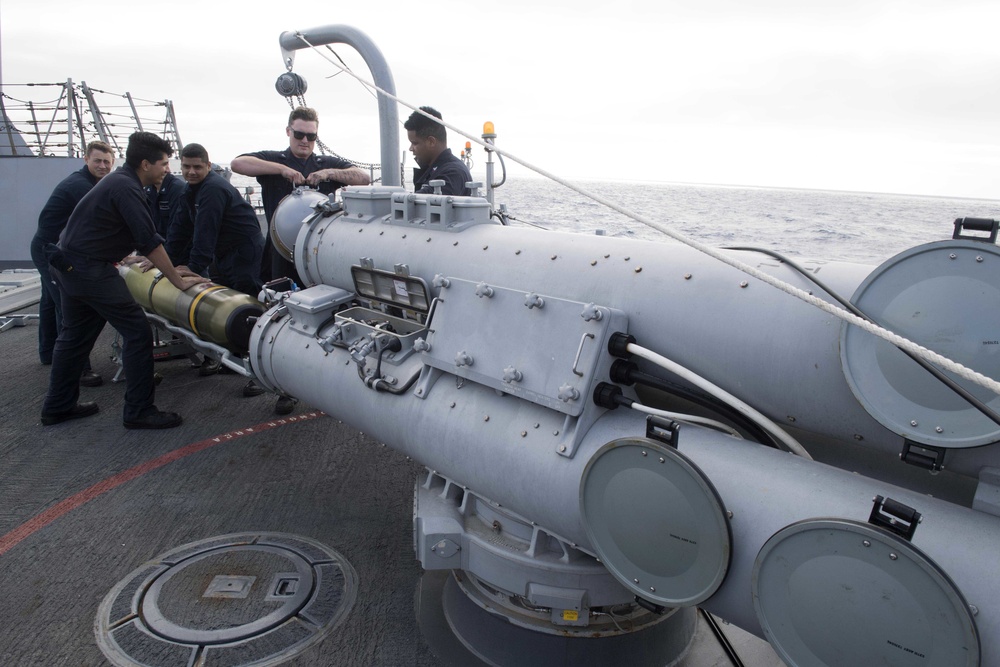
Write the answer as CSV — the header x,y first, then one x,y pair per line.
x,y
313,477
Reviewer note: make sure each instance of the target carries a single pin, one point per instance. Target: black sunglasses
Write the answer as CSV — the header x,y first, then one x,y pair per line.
x,y
311,136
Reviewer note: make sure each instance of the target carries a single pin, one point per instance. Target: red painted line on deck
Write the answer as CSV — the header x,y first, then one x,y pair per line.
x,y
39,521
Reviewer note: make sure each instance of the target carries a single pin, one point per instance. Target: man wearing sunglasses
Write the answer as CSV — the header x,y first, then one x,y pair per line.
x,y
279,172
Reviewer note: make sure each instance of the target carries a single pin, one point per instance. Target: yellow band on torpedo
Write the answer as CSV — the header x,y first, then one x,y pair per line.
x,y
194,306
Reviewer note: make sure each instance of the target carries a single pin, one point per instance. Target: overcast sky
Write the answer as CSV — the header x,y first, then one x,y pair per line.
x,y
871,95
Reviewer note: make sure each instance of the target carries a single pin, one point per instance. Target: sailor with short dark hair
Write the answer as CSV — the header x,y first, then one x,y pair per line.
x,y
110,222
435,161
163,201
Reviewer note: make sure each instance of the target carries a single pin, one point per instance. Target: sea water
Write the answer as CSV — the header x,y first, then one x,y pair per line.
x,y
851,226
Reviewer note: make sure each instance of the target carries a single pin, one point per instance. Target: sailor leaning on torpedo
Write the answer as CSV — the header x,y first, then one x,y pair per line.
x,y
110,222
215,228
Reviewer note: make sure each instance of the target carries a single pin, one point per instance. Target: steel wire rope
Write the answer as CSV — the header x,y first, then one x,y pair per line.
x,y
27,102
527,222
40,84
300,99
153,103
899,341
367,90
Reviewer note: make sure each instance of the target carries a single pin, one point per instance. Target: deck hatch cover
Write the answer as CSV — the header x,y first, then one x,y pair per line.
x,y
268,597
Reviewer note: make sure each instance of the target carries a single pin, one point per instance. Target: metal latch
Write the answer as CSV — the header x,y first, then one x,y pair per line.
x,y
894,517
662,429
979,225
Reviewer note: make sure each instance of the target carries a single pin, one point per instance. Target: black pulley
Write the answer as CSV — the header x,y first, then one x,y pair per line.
x,y
290,84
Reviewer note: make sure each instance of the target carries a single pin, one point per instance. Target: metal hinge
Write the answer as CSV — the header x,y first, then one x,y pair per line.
x,y
894,517
978,224
923,456
663,430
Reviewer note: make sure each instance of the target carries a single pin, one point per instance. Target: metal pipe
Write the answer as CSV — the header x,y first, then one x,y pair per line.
x,y
52,121
172,125
99,124
388,115
8,126
70,112
34,124
135,112
205,347
682,304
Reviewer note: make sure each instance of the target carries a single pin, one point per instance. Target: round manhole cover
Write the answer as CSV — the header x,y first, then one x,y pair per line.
x,y
242,599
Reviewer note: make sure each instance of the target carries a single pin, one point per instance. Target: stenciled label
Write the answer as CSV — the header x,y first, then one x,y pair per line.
x,y
904,649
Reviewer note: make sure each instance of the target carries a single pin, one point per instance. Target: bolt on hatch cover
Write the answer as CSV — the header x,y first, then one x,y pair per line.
x,y
944,296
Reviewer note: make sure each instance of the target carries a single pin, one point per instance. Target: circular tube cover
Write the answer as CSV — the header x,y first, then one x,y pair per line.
x,y
944,296
839,592
656,522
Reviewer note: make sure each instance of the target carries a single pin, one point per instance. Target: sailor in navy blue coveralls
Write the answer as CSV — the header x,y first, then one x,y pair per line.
x,y
274,188
163,202
447,168
435,161
51,222
111,221
216,225
279,172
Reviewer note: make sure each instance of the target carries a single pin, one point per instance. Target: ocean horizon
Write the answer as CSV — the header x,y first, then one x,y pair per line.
x,y
866,227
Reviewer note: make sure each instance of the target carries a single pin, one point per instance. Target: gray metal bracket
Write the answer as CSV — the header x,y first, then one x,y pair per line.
x,y
987,498
11,321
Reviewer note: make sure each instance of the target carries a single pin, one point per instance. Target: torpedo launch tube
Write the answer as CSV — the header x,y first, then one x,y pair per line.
x,y
493,356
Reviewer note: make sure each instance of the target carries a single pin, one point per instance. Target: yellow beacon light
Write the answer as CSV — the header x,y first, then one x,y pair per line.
x,y
488,131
